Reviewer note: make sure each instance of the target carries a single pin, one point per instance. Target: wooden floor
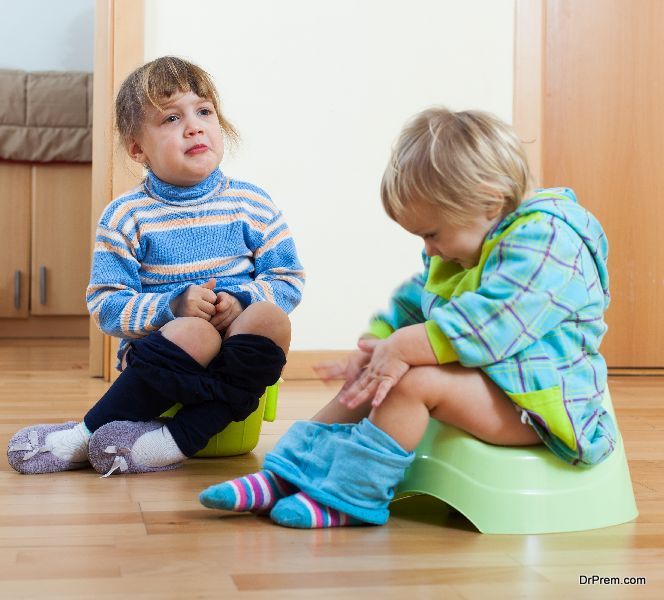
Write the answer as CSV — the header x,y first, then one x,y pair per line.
x,y
73,535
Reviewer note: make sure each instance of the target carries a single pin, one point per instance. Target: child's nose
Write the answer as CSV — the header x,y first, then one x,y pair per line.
x,y
429,250
193,126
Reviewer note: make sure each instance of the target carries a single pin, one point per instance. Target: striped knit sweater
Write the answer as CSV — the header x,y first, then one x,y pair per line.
x,y
158,239
530,315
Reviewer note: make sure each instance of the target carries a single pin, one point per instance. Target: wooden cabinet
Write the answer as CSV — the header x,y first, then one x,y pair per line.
x,y
15,184
60,265
45,266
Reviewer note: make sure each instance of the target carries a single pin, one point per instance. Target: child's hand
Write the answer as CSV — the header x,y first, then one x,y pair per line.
x,y
349,369
383,372
196,301
228,308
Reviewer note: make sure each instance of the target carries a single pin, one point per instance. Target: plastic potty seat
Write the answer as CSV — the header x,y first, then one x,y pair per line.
x,y
242,436
524,490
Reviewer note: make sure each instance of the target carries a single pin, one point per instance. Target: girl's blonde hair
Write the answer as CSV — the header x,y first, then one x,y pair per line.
x,y
462,162
157,81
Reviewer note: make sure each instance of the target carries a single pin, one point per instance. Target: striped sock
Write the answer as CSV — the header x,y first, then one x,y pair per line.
x,y
303,512
257,493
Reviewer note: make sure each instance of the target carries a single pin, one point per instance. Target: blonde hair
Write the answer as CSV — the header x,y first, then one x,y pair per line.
x,y
462,162
156,81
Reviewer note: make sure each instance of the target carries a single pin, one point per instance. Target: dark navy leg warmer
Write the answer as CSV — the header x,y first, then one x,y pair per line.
x,y
160,374
238,376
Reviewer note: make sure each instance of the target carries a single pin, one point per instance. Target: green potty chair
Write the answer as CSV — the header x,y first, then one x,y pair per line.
x,y
242,436
524,490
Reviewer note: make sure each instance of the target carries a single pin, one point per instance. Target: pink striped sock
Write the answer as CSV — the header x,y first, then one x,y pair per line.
x,y
257,493
302,511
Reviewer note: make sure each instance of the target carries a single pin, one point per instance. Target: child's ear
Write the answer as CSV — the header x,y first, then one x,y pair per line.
x,y
495,210
135,151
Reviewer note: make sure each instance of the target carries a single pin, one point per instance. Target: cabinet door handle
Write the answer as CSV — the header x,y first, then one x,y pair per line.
x,y
42,285
17,289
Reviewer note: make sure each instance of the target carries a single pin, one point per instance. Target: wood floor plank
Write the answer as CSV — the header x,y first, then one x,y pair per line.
x,y
74,535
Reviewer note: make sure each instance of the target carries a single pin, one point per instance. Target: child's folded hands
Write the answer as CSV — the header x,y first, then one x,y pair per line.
x,y
228,308
196,301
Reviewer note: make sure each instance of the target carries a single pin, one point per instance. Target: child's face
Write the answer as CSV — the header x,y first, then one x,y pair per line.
x,y
183,143
459,244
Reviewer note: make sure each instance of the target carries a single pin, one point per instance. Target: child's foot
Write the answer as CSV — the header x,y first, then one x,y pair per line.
x,y
133,447
303,512
49,448
256,493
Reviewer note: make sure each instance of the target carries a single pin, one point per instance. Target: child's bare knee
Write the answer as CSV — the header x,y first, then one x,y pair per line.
x,y
195,336
416,387
264,318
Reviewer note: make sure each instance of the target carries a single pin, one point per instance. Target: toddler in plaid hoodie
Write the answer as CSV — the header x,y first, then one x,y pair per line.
x,y
498,335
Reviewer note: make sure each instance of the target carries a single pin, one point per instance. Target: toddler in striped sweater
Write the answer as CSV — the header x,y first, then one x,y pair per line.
x,y
498,334
194,271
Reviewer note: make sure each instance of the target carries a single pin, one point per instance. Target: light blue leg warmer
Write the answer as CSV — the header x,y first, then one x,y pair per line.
x,y
351,468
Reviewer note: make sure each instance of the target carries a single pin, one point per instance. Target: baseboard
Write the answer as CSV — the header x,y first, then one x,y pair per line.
x,y
301,363
636,371
45,327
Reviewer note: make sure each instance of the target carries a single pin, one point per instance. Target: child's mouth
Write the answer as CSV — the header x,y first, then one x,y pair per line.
x,y
197,149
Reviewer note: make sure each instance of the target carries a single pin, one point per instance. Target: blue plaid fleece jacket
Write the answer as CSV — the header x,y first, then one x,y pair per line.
x,y
155,241
530,315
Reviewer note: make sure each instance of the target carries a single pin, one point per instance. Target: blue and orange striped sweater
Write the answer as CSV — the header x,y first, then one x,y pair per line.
x,y
158,239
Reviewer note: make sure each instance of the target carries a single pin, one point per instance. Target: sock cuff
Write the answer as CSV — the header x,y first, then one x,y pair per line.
x,y
375,436
258,343
159,352
249,361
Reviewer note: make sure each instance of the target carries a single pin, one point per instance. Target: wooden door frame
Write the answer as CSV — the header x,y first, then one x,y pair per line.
x,y
119,49
529,24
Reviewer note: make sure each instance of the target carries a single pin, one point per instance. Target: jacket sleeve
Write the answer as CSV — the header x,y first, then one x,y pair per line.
x,y
530,283
114,296
404,307
278,274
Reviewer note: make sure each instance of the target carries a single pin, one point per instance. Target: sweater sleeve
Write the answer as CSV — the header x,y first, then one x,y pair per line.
x,y
530,283
404,307
278,274
114,297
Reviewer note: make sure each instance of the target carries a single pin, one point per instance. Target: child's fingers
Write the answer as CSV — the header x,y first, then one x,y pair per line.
x,y
368,344
208,295
201,315
207,308
226,320
382,390
224,301
359,392
330,370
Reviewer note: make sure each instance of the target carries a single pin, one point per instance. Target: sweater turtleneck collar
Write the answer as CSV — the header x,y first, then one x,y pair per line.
x,y
183,195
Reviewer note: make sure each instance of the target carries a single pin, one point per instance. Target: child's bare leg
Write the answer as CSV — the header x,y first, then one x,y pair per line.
x,y
127,417
64,447
252,361
463,397
335,412
263,318
195,336
456,395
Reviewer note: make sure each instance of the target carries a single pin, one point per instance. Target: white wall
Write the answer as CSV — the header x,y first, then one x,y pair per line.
x,y
319,92
47,35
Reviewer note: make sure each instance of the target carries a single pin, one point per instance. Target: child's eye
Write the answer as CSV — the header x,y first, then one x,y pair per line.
x,y
170,119
206,111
